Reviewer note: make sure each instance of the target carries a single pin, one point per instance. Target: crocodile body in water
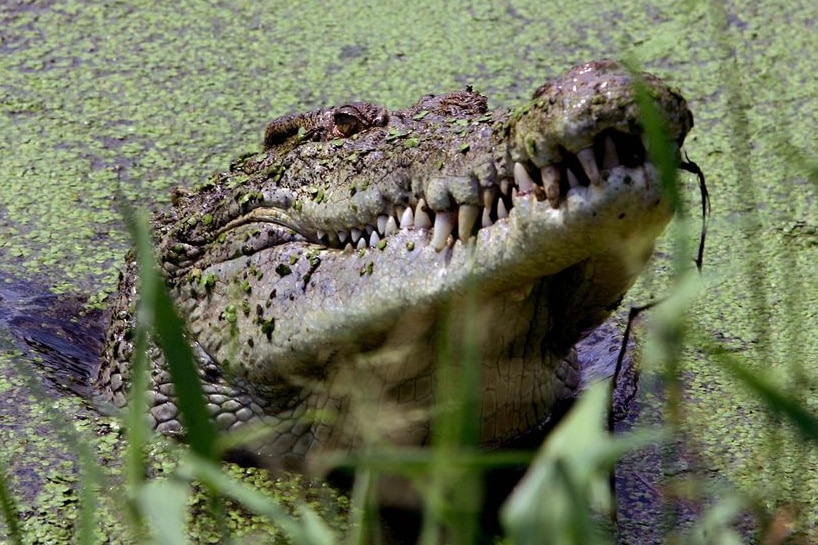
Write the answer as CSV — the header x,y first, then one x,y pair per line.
x,y
321,277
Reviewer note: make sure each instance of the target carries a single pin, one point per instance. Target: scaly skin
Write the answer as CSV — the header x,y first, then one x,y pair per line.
x,y
542,218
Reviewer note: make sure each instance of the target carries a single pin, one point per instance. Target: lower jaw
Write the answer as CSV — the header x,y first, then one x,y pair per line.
x,y
498,345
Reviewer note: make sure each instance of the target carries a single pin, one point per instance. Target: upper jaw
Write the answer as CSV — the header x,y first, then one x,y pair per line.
x,y
609,149
574,132
571,136
574,173
555,182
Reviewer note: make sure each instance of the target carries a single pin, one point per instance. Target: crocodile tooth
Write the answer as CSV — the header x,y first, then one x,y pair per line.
x,y
348,248
391,226
488,197
588,162
573,181
524,182
501,210
551,181
444,223
374,239
382,219
466,216
342,236
488,202
485,221
361,243
610,158
505,184
422,219
355,234
320,234
407,219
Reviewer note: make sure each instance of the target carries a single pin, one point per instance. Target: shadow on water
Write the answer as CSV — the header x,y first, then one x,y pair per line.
x,y
49,349
63,337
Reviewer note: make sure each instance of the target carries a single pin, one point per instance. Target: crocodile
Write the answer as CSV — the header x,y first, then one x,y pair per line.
x,y
322,277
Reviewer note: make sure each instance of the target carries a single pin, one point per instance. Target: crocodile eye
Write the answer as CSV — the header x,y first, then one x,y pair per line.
x,y
347,122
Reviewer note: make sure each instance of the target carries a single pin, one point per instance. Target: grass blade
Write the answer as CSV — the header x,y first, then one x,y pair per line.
x,y
568,477
164,503
135,416
9,512
170,333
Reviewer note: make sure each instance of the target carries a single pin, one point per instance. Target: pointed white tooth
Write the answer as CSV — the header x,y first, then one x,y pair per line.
x,y
374,239
348,248
489,194
501,210
551,181
588,162
573,181
361,243
505,184
485,221
355,234
422,219
523,179
391,227
444,223
382,219
320,234
342,236
466,216
610,159
488,197
407,219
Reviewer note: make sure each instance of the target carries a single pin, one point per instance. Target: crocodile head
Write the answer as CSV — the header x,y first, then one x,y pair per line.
x,y
316,276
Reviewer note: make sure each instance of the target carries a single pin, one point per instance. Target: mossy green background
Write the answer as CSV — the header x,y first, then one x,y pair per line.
x,y
101,101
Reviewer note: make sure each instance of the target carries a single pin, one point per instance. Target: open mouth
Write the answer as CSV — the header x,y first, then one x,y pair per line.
x,y
552,183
